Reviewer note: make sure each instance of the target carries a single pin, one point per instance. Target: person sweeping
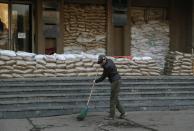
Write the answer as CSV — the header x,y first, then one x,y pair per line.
x,y
110,71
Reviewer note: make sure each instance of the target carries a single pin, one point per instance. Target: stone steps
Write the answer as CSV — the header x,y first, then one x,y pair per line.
x,y
20,98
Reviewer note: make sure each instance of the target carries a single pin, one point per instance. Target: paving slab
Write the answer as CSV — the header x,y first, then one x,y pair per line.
x,y
95,121
15,125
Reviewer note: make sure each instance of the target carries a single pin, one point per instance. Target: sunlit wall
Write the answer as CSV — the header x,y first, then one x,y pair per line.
x,y
4,13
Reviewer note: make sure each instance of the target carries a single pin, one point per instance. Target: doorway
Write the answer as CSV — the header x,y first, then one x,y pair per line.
x,y
17,26
4,26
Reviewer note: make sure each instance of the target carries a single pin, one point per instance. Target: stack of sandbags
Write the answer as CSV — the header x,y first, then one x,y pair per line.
x,y
178,63
16,65
50,70
85,28
151,40
193,63
140,15
137,15
40,65
122,65
71,60
150,34
6,63
73,49
137,67
85,67
148,68
97,51
60,65
70,68
25,64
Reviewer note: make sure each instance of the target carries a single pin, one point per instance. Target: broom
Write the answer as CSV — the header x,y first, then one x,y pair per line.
x,y
84,111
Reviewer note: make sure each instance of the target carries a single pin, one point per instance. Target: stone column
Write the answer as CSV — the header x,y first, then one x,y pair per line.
x,y
39,28
193,25
127,32
181,25
60,42
118,38
109,28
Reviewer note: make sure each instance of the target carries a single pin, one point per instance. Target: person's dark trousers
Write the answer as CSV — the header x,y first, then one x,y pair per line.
x,y
114,100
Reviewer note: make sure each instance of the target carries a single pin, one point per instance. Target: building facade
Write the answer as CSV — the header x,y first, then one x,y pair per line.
x,y
105,26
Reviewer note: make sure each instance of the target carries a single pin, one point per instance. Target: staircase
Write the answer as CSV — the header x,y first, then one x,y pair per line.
x,y
35,97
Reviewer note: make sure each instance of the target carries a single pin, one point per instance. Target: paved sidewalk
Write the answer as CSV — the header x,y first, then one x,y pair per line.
x,y
136,121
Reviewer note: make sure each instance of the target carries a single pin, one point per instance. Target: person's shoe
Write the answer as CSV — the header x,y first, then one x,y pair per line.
x,y
123,115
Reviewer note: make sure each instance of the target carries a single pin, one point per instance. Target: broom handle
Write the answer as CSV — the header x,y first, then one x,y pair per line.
x,y
90,94
91,90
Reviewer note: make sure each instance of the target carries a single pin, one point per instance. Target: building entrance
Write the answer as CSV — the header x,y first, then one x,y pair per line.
x,y
16,26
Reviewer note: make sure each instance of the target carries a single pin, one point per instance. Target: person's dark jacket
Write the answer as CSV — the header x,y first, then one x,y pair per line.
x,y
109,71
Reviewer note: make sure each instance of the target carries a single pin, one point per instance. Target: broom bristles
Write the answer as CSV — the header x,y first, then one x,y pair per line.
x,y
82,114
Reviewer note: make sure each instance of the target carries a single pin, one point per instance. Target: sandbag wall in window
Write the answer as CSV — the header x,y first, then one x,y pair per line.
x,y
84,28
